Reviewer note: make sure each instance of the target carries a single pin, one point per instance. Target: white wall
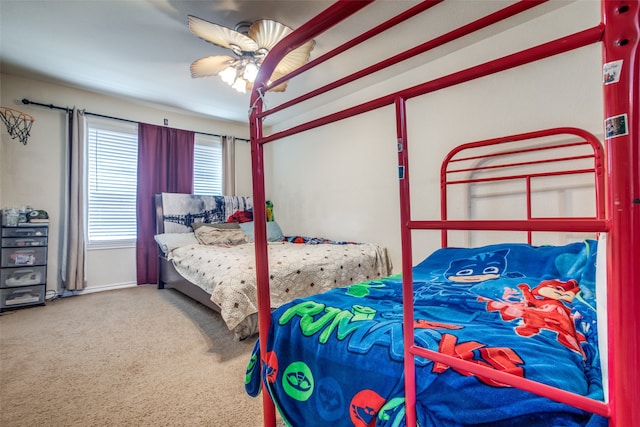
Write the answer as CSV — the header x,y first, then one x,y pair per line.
x,y
341,181
33,174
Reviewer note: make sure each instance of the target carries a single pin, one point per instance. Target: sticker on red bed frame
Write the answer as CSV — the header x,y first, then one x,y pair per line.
x,y
616,126
611,72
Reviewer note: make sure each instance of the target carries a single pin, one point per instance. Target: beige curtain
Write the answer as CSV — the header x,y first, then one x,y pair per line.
x,y
228,165
74,251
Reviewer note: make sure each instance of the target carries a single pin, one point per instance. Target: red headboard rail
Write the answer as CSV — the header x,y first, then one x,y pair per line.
x,y
553,153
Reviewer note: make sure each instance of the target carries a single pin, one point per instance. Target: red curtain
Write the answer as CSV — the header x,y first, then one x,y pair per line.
x,y
165,164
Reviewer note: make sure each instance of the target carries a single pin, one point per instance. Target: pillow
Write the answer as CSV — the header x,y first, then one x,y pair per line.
x,y
220,236
274,233
218,225
170,241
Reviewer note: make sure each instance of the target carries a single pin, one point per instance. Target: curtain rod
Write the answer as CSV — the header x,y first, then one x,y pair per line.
x,y
67,110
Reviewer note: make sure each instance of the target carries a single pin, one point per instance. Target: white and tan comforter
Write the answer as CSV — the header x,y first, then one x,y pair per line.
x,y
296,270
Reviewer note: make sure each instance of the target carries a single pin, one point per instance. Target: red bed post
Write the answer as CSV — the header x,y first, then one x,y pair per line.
x,y
407,262
260,239
621,74
262,261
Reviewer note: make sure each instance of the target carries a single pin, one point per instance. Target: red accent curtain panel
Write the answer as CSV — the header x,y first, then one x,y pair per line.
x,y
165,164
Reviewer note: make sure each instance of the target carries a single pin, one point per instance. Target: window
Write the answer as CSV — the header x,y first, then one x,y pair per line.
x,y
112,163
207,165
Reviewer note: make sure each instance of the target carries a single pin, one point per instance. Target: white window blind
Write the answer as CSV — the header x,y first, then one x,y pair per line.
x,y
207,165
112,164
112,161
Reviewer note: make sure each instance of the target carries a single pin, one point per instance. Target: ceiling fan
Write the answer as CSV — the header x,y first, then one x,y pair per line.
x,y
249,48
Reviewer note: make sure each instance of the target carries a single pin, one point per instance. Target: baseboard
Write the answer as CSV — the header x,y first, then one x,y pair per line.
x,y
110,287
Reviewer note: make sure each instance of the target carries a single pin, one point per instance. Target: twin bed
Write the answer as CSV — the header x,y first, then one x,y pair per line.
x,y
521,310
494,335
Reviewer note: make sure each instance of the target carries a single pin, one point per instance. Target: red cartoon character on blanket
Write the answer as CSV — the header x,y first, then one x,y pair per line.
x,y
543,308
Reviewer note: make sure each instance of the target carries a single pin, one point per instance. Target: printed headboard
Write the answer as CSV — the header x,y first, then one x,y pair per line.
x,y
175,212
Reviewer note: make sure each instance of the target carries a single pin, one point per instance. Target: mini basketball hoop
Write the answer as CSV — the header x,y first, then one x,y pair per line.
x,y
18,123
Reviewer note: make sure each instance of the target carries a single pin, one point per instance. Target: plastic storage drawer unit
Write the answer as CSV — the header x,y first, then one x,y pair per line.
x,y
23,266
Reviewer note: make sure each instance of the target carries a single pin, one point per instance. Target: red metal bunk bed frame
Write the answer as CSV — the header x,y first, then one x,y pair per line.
x,y
618,34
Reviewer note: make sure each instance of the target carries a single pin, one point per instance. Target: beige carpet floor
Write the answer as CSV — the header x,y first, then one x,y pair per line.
x,y
130,357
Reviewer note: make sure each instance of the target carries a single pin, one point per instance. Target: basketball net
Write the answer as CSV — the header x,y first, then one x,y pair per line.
x,y
18,123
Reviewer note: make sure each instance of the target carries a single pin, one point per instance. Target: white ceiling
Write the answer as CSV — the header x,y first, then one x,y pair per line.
x,y
142,49
138,49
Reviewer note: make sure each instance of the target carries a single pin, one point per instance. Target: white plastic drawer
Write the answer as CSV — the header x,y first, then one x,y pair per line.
x,y
26,295
23,276
21,257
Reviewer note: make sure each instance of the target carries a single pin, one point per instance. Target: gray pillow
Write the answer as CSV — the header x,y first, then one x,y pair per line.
x,y
274,233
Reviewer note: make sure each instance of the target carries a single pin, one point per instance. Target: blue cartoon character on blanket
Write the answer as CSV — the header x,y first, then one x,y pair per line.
x,y
484,266
463,274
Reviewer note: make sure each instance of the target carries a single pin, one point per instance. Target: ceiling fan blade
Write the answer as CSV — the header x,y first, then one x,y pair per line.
x,y
268,33
219,35
289,63
295,59
210,66
282,86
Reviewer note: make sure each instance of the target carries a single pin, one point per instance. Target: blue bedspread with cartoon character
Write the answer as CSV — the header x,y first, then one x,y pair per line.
x,y
336,359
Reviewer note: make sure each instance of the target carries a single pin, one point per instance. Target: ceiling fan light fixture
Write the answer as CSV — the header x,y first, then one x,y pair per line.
x,y
228,75
240,85
240,74
250,49
250,72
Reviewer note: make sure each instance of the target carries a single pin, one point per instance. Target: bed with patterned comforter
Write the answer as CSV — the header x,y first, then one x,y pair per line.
x,y
297,270
207,253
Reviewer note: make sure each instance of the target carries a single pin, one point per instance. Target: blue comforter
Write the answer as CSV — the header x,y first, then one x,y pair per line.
x,y
337,358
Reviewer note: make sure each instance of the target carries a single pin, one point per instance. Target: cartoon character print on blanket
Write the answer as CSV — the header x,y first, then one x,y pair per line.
x,y
478,268
542,308
539,308
456,283
337,357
